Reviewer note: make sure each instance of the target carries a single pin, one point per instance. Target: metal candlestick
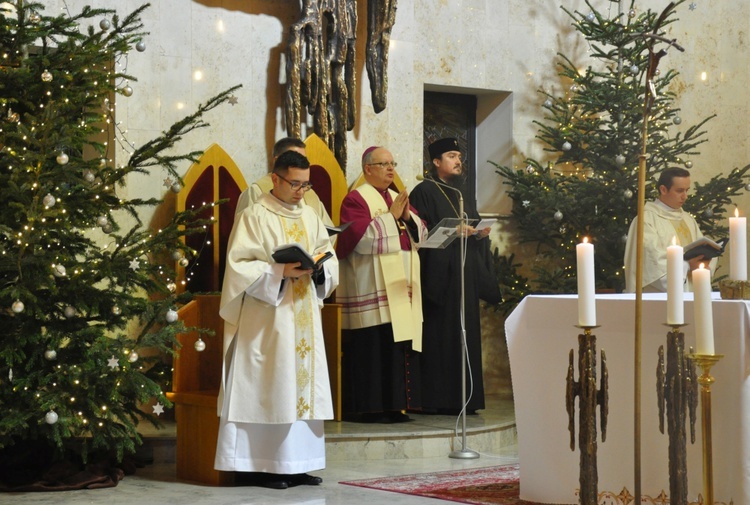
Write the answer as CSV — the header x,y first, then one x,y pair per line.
x,y
677,390
589,398
706,361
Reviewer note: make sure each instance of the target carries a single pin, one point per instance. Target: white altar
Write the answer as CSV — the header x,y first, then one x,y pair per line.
x,y
541,332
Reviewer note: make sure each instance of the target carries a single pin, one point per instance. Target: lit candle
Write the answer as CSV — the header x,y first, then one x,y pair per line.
x,y
737,247
585,271
704,319
675,284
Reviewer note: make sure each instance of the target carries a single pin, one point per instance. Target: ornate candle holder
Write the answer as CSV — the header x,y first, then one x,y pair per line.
x,y
589,398
706,361
677,391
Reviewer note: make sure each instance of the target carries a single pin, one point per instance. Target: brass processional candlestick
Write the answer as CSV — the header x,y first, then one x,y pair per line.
x,y
706,361
677,391
589,398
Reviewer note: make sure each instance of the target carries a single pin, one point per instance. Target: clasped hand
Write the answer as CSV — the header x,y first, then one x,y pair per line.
x,y
400,207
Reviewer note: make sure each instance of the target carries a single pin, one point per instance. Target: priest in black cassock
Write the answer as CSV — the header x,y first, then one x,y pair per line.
x,y
434,199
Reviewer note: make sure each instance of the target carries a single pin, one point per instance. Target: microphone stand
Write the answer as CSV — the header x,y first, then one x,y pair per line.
x,y
464,452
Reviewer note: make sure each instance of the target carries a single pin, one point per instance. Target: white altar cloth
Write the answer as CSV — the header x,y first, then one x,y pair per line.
x,y
541,332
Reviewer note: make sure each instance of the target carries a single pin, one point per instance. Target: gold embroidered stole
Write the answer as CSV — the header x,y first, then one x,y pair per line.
x,y
304,324
405,310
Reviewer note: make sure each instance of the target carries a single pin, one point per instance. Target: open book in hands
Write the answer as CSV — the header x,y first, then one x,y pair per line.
x,y
292,253
706,247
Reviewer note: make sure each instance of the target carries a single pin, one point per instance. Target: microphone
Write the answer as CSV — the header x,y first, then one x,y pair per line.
x,y
428,177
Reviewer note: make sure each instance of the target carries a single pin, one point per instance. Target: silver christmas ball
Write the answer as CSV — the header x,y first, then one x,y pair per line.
x,y
548,103
127,90
133,356
631,13
558,215
34,17
17,306
184,262
566,146
627,194
200,345
620,159
529,169
116,310
177,255
59,270
574,88
49,200
677,120
102,220
176,187
102,163
104,24
140,46
89,176
688,164
747,187
62,158
172,287
47,76
50,354
591,16
634,69
171,316
69,311
624,238
708,213
51,417
107,228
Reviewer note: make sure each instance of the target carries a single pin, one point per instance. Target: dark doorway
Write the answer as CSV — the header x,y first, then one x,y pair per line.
x,y
453,115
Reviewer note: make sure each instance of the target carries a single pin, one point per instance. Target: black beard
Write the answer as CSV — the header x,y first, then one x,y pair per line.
x,y
455,180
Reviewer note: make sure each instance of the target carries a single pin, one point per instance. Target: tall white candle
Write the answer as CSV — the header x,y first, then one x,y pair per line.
x,y
704,319
586,277
675,285
737,247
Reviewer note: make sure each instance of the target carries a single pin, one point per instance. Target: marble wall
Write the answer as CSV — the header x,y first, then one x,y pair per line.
x,y
197,48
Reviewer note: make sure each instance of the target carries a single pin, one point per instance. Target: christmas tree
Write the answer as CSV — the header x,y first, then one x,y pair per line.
x,y
89,291
586,186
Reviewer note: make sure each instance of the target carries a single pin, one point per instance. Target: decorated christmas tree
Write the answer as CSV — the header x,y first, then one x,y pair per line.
x,y
88,289
592,131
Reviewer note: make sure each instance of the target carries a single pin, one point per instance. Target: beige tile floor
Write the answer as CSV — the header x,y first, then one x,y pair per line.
x,y
156,484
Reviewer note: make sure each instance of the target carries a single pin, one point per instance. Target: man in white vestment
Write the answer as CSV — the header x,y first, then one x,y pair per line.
x,y
663,220
265,184
275,392
381,296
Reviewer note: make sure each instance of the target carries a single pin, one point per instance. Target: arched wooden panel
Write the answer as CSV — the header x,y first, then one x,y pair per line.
x,y
213,177
326,176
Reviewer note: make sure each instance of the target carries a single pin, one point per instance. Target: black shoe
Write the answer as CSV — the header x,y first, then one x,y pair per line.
x,y
303,479
261,479
274,483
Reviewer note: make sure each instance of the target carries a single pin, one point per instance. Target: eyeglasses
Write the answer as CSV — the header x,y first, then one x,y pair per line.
x,y
296,186
384,164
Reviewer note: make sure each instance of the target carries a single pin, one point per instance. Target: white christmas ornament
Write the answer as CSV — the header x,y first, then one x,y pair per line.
x,y
116,310
566,146
101,220
176,187
158,409
127,91
677,120
177,254
620,159
627,194
62,158
113,362
47,76
171,316
34,17
69,311
50,354
104,24
200,345
49,200
140,46
184,262
688,164
107,228
89,176
59,270
172,287
558,216
591,16
51,417
548,103
133,357
17,306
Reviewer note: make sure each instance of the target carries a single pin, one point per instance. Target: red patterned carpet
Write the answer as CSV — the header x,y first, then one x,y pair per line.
x,y
494,485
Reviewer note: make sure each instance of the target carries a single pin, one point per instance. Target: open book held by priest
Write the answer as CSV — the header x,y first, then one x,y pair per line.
x,y
705,246
294,252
